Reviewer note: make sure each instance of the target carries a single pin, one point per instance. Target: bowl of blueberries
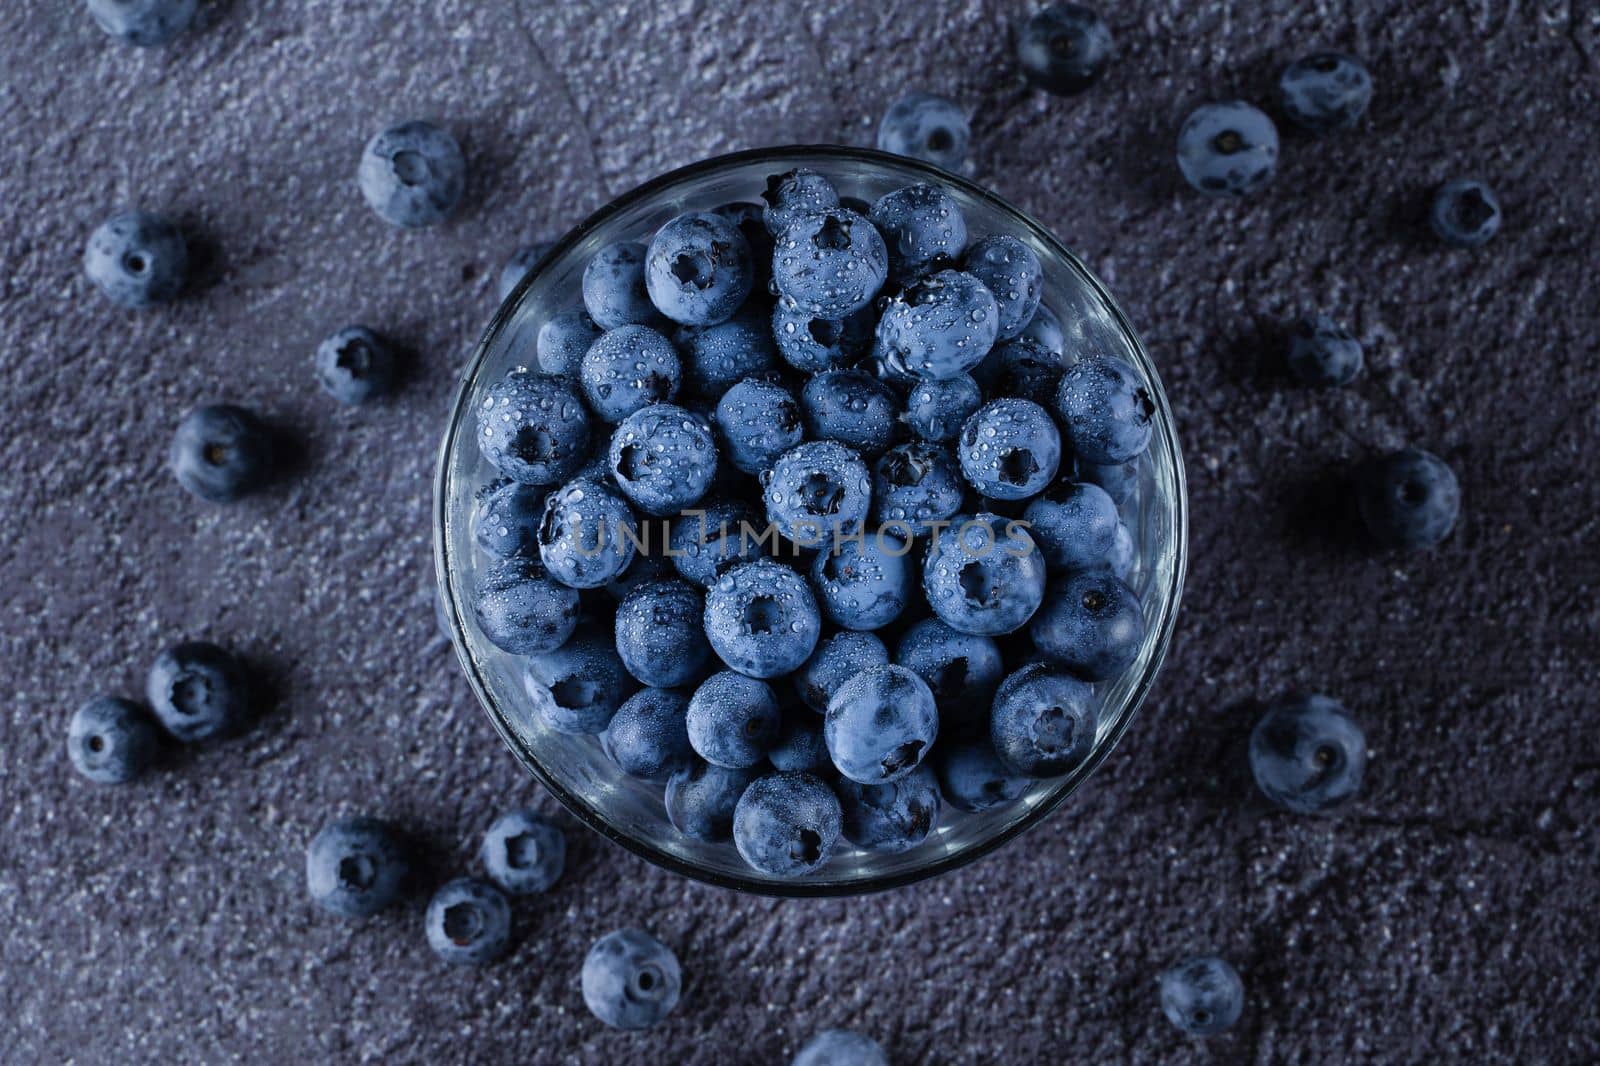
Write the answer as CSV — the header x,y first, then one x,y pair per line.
x,y
810,521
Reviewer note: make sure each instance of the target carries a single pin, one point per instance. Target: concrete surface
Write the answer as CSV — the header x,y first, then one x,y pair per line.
x,y
1451,915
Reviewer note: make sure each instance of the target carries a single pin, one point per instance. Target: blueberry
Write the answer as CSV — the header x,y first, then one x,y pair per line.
x,y
762,619
889,818
880,724
631,980
1119,560
519,266
629,368
800,745
144,23
1064,49
1074,523
715,358
412,175
564,340
468,922
648,736
984,575
706,543
914,485
751,221
972,777
614,289
111,741
1090,623
922,226
658,633
1119,480
533,428
588,534
1009,449
354,365
700,799
733,720
926,127
1024,368
786,824
840,1047
578,687
818,490
851,407
699,269
505,519
812,344
521,609
222,452
198,691
962,671
663,458
830,263
795,193
355,867
1308,755
1106,411
1326,91
1043,721
524,852
1202,996
1465,214
1322,352
137,259
1228,149
865,582
1044,329
936,408
1409,499
757,420
836,660
1011,272
938,327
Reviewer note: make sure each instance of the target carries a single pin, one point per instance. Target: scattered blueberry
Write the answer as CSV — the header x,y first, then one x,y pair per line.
x,y
1010,449
663,458
973,778
354,365
522,261
648,736
468,922
578,687
1106,410
1322,352
1465,214
506,518
851,407
533,428
1326,91
892,817
762,619
840,1047
812,344
137,259
222,452
798,192
587,535
1012,273
412,175
733,720
524,852
817,490
699,269
715,358
1064,49
938,327
1074,523
787,824
1202,996
614,289
1409,499
880,724
706,543
1308,755
923,228
914,485
984,575
1090,624
800,745
926,127
836,660
355,867
198,691
757,420
1228,149
962,671
564,340
658,634
144,23
629,368
830,263
111,741
521,609
864,582
631,980
1043,722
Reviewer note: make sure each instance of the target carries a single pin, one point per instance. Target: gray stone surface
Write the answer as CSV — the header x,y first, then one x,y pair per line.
x,y
1450,915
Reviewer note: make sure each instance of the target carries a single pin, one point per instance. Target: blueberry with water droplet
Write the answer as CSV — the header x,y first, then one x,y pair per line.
x,y
937,408
1090,624
1043,722
715,358
757,421
733,720
564,340
1014,277
1009,449
533,428
889,818
1107,412
923,228
818,490
829,263
506,518
658,635
629,368
972,777
699,269
762,620
648,737
663,458
864,583
984,574
938,327
813,344
700,799
787,824
587,534
521,609
836,660
1074,523
962,671
726,533
851,407
914,485
614,289
795,193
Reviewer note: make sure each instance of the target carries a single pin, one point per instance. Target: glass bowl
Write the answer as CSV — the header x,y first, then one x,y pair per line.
x,y
574,768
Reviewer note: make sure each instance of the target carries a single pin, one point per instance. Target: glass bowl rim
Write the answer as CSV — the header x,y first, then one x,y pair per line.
x,y
462,410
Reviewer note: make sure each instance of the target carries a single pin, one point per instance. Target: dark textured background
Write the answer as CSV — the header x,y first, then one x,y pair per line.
x,y
1451,914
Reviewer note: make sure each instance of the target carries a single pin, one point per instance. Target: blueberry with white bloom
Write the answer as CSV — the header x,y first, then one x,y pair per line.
x,y
524,852
412,175
699,269
143,23
1043,721
1326,91
588,534
648,737
762,619
533,428
517,267
137,259
663,458
787,824
354,365
1228,149
892,817
864,583
830,263
578,687
631,980
926,127
984,574
614,289
880,724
